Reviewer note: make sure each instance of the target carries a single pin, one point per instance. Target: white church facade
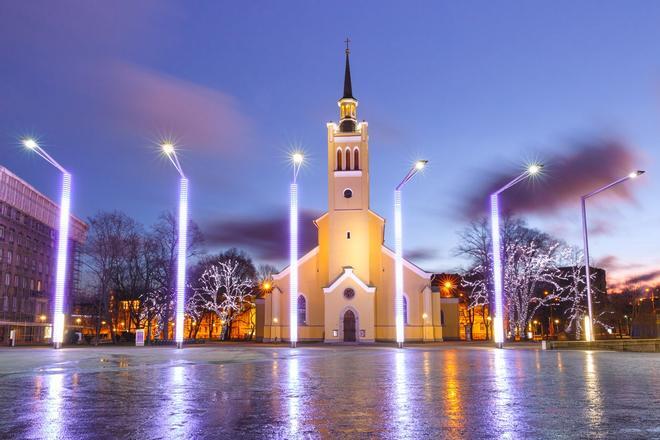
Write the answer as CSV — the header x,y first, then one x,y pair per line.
x,y
346,283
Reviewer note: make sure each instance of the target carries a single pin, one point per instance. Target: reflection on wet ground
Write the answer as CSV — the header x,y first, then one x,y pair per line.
x,y
439,391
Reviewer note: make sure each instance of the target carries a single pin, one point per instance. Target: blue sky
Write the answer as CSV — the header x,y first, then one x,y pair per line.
x,y
478,88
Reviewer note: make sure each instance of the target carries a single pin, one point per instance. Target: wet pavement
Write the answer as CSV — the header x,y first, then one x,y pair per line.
x,y
438,391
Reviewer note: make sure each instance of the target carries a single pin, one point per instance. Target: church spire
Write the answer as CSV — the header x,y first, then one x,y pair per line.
x,y
348,104
348,88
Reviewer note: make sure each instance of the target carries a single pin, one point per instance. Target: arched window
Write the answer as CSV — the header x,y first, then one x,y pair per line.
x,y
356,159
442,318
405,310
302,310
339,156
348,159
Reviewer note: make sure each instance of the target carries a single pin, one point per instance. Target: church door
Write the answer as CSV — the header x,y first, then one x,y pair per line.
x,y
349,326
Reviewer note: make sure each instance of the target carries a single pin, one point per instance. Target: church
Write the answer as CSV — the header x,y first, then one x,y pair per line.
x,y
346,283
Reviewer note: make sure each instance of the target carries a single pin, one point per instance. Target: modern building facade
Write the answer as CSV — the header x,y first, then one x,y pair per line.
x,y
29,224
346,283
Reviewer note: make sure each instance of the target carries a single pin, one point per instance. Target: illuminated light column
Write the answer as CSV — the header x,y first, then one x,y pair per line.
x,y
297,159
62,243
498,319
181,260
589,320
398,253
182,244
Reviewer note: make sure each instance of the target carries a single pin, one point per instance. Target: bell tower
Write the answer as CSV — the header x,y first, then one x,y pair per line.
x,y
348,185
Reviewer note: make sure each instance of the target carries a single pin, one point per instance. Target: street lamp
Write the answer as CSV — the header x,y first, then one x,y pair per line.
x,y
398,250
589,321
497,251
297,160
170,152
62,242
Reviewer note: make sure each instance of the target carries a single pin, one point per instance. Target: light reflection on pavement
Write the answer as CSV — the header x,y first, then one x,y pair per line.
x,y
260,391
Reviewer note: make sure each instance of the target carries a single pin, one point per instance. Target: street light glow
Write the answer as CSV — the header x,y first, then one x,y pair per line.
x,y
636,174
30,143
534,169
297,158
168,148
420,164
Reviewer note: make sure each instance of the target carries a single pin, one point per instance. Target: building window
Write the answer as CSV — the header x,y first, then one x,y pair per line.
x,y
302,310
339,166
356,159
348,235
348,159
442,318
349,293
348,193
405,310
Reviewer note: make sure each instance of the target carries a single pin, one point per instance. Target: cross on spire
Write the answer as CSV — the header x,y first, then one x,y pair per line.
x,y
347,41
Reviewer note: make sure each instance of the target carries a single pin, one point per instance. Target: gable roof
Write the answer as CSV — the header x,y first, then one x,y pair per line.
x,y
348,273
417,270
301,260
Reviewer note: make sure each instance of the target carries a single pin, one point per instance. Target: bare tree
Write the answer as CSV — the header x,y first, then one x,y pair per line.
x,y
164,239
528,261
102,257
226,288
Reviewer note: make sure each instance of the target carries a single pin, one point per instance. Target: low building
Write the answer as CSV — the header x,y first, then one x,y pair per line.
x,y
29,222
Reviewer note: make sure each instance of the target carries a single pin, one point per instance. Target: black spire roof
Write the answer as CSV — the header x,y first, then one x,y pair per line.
x,y
348,88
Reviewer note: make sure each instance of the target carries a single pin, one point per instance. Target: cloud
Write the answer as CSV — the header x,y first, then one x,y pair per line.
x,y
267,238
420,254
644,278
566,177
143,100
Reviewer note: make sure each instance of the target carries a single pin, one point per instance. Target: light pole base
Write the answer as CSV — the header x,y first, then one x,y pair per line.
x,y
293,344
399,344
179,344
57,345
499,345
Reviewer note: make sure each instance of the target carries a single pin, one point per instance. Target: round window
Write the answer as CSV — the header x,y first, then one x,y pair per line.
x,y
348,193
349,293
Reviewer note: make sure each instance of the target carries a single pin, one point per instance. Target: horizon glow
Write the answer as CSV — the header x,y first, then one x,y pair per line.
x,y
181,261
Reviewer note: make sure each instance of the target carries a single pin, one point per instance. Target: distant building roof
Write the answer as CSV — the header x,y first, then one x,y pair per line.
x,y
21,195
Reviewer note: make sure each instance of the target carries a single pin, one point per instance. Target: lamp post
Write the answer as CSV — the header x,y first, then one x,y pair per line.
x,y
182,242
398,250
498,319
589,321
297,160
62,242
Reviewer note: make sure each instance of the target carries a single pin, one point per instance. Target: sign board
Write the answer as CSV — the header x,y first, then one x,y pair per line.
x,y
48,332
139,337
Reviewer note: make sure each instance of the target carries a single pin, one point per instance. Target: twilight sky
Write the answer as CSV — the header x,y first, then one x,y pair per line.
x,y
478,88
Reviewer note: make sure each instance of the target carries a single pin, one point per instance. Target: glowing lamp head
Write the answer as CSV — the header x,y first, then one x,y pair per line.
x,y
420,164
168,148
534,169
636,174
30,143
297,158
266,285
424,316
448,285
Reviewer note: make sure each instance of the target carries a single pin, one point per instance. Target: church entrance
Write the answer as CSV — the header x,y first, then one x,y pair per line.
x,y
349,326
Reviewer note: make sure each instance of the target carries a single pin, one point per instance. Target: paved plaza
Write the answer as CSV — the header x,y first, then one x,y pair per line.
x,y
257,391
